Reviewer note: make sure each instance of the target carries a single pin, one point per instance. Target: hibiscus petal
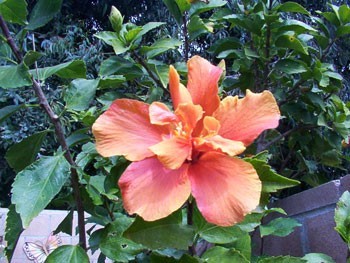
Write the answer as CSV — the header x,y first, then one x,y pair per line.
x,y
211,126
244,119
218,143
173,152
160,114
189,114
202,83
179,94
152,191
225,188
125,129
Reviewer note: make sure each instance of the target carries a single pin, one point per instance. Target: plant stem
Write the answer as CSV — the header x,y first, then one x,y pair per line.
x,y
191,249
185,34
140,60
59,134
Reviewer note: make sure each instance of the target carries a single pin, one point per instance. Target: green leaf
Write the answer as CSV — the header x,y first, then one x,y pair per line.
x,y
197,27
121,66
156,257
24,153
163,233
14,11
31,56
333,75
43,12
69,70
174,10
344,14
78,137
160,46
213,233
200,7
292,42
184,5
120,249
343,30
13,231
291,66
223,255
116,247
66,226
272,182
80,93
282,259
95,188
14,77
331,17
148,27
7,111
318,258
279,227
243,245
107,36
296,26
112,81
33,189
292,7
68,253
342,217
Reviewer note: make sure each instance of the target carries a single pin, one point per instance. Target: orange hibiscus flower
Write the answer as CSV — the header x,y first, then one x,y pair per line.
x,y
189,151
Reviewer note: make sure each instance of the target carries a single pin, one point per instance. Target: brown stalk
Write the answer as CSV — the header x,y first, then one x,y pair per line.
x,y
59,134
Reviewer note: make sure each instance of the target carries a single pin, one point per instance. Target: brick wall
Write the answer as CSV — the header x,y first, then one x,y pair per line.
x,y
314,209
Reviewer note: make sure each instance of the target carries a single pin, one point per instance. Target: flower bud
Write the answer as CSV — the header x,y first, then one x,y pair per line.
x,y
116,19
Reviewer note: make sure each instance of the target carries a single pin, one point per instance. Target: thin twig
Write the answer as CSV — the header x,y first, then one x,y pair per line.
x,y
185,35
59,134
140,60
191,249
285,134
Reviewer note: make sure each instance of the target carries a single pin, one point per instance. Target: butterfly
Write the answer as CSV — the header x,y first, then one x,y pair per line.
x,y
38,251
